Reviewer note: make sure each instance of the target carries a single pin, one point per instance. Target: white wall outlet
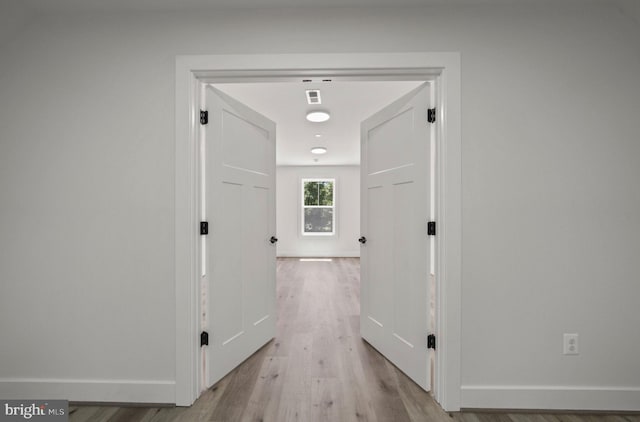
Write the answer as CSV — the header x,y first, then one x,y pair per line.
x,y
570,344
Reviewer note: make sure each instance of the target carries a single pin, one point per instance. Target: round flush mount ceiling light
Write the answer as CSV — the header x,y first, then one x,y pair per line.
x,y
318,116
318,150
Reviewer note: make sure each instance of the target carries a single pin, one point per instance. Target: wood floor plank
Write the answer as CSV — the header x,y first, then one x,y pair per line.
x,y
167,414
419,403
615,418
240,384
495,417
466,417
96,414
320,287
326,400
265,398
358,398
294,404
85,413
526,417
81,413
202,409
127,414
384,391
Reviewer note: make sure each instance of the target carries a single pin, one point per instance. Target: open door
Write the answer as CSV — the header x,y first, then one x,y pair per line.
x,y
395,252
240,247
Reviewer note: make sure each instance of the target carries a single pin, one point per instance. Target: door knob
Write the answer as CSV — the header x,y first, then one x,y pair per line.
x,y
362,240
273,239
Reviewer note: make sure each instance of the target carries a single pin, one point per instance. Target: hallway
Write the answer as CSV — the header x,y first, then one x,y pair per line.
x,y
318,368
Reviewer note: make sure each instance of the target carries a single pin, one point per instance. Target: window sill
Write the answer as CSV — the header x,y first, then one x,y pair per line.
x,y
318,234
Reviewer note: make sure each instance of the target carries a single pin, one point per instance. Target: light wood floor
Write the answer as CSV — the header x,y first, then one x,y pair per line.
x,y
317,368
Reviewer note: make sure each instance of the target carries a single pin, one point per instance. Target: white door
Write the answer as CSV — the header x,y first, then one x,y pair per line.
x,y
241,253
395,195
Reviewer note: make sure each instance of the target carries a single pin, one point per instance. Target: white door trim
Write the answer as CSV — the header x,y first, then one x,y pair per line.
x,y
443,68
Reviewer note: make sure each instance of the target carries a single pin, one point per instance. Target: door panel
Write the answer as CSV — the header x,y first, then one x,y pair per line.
x,y
250,154
377,290
403,286
240,207
395,153
387,150
260,253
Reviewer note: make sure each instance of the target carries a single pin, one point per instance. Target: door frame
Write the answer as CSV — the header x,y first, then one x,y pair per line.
x,y
443,69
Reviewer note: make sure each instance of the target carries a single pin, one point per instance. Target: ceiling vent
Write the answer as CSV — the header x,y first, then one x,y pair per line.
x,y
313,96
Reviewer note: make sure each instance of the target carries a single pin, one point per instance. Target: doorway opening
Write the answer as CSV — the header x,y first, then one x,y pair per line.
x,y
442,70
393,174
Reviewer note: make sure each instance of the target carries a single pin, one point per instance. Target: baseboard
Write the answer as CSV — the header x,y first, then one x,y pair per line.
x,y
551,398
347,254
119,391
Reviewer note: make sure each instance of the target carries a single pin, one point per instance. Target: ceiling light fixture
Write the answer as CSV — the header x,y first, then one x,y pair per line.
x,y
317,135
318,116
318,150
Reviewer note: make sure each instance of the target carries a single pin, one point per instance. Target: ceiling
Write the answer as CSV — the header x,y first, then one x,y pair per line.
x,y
349,103
157,5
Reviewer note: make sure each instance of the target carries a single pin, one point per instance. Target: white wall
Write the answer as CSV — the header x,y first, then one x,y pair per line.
x,y
550,200
631,8
345,242
13,16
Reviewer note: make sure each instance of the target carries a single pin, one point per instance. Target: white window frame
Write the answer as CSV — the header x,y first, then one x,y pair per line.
x,y
303,206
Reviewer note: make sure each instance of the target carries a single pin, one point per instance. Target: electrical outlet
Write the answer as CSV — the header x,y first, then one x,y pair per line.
x,y
570,344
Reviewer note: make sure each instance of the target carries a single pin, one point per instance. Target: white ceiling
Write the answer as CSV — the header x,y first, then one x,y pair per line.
x,y
348,102
151,5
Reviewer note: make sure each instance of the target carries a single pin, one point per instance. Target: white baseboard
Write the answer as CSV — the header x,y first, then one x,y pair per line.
x,y
551,398
120,391
296,254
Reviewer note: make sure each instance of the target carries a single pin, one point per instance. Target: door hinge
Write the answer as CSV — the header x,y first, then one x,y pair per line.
x,y
204,117
431,341
204,339
431,228
204,227
431,115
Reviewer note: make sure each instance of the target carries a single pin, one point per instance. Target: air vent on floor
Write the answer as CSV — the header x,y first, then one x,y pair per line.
x,y
313,96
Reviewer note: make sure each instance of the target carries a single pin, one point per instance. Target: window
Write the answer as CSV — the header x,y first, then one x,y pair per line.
x,y
318,207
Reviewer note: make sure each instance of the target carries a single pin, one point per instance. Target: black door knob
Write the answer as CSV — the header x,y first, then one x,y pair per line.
x,y
273,239
362,240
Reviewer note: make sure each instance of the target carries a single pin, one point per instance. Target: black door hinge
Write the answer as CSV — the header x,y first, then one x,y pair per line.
x,y
431,341
204,227
204,117
431,115
431,228
204,339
